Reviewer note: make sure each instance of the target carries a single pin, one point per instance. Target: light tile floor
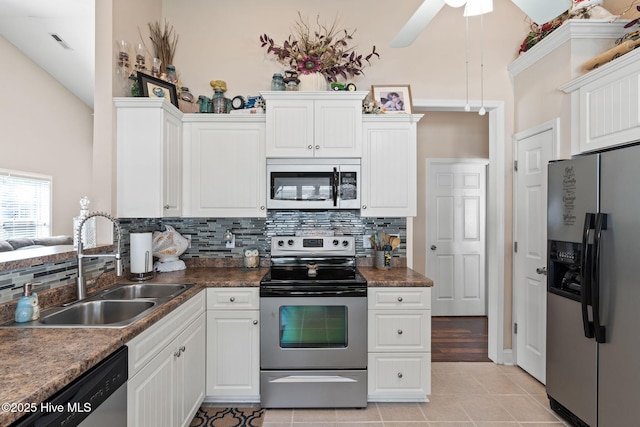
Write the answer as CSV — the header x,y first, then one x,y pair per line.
x,y
462,395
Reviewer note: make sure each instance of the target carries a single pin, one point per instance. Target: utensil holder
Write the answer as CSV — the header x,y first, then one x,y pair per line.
x,y
383,260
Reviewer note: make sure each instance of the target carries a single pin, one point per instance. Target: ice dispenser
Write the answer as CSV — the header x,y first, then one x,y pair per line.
x,y
564,269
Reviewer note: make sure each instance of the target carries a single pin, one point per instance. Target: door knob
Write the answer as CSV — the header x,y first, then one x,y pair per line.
x,y
541,270
434,247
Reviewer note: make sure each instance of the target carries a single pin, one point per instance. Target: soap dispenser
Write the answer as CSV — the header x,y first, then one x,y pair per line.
x,y
24,310
89,229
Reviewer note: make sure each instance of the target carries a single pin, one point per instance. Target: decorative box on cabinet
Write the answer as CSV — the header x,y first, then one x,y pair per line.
x,y
605,105
233,345
314,124
149,158
166,369
399,367
225,166
389,169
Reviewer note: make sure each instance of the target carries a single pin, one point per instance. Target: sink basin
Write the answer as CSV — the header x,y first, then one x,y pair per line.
x,y
145,290
99,313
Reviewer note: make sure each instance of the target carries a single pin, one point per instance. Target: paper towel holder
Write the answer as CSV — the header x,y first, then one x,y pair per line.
x,y
141,250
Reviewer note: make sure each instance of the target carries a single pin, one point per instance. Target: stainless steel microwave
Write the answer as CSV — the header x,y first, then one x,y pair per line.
x,y
311,183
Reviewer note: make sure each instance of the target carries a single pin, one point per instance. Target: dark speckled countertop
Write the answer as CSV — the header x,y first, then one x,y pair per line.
x,y
35,363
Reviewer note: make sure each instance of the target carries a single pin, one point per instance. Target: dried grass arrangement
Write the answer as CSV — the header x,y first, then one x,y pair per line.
x,y
164,41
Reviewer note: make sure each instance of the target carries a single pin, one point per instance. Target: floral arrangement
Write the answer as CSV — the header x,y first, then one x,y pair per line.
x,y
323,50
539,32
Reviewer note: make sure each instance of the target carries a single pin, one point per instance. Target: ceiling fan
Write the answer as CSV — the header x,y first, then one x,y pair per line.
x,y
540,11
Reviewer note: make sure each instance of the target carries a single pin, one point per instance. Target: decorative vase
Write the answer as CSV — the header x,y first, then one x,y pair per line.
x,y
312,82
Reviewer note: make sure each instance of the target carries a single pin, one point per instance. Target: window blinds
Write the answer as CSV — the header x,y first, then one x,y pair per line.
x,y
25,204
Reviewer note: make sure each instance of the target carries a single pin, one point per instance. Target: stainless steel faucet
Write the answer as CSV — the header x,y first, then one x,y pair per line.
x,y
81,285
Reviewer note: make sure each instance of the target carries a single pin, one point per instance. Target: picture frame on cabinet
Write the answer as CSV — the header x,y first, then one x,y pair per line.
x,y
153,87
393,98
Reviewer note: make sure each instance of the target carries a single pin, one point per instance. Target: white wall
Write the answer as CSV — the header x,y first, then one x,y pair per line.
x,y
45,130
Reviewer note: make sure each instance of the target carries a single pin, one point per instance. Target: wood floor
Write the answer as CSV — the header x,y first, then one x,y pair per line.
x,y
459,339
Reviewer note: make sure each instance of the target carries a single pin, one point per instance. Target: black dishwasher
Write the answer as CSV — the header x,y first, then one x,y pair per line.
x,y
97,398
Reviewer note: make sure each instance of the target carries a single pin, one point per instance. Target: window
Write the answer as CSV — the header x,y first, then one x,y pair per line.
x,y
25,204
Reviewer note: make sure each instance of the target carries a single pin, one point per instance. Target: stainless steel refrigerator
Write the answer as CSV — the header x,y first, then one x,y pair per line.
x,y
593,298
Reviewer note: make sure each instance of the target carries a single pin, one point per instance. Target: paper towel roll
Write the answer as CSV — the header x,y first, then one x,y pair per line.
x,y
141,253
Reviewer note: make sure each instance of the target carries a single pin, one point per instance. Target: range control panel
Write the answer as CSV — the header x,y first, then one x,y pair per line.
x,y
320,245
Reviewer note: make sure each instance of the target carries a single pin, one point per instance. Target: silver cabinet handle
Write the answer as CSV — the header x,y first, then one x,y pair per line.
x,y
183,349
434,247
262,208
309,147
177,353
317,147
364,206
399,374
166,207
399,331
541,270
255,322
232,299
399,299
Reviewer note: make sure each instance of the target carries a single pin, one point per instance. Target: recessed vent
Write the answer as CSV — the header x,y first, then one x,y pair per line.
x,y
61,42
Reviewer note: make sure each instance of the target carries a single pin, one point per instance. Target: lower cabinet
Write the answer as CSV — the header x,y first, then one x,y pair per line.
x,y
166,369
233,345
399,332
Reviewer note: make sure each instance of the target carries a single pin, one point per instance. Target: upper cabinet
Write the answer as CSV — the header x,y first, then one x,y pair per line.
x,y
149,158
389,169
605,105
314,124
225,166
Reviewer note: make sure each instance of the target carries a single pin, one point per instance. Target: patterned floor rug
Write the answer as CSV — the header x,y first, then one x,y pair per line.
x,y
228,417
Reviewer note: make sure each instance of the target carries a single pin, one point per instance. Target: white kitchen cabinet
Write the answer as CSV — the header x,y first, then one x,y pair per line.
x,y
605,105
233,345
314,124
166,368
149,158
389,169
399,336
225,166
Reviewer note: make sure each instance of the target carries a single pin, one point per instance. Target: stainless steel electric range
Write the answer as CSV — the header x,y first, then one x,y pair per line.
x,y
313,338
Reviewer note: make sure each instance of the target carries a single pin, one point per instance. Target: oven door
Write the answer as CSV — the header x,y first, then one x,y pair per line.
x,y
313,332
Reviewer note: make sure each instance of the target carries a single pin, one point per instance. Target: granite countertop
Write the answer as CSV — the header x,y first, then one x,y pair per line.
x,y
38,362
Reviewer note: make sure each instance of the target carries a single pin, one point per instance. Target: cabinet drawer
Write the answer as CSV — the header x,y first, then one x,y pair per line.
x,y
406,330
233,298
145,346
394,298
399,375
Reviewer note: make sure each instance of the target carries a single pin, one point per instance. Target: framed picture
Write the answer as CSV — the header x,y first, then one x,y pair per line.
x,y
156,88
393,98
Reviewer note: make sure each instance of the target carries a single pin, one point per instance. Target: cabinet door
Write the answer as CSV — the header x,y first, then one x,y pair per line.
x,y
149,158
151,392
389,171
227,170
338,128
191,371
290,128
233,355
172,167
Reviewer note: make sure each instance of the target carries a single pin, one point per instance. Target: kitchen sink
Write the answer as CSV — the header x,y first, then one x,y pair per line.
x,y
99,313
145,290
116,307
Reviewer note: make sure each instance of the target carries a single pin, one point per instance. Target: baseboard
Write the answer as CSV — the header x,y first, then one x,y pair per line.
x,y
507,357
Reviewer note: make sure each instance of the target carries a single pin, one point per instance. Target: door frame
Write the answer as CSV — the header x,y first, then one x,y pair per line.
x,y
432,161
495,216
552,125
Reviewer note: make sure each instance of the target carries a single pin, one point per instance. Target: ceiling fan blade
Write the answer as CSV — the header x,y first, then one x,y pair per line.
x,y
418,22
541,11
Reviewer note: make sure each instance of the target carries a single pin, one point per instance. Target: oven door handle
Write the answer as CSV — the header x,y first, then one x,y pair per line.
x,y
313,379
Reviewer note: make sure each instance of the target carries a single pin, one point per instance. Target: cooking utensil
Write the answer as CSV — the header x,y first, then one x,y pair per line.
x,y
395,242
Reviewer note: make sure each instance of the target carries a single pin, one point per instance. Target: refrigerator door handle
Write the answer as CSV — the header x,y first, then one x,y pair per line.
x,y
585,273
601,224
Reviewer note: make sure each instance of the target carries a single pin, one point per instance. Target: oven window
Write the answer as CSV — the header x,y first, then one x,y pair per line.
x,y
313,326
301,186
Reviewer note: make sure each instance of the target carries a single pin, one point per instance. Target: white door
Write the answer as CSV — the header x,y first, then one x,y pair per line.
x,y
534,149
456,252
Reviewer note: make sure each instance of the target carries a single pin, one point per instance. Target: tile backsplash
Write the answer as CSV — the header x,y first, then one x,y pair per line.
x,y
207,241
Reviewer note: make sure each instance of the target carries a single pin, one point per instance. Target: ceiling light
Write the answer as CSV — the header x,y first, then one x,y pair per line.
x,y
478,7
543,11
